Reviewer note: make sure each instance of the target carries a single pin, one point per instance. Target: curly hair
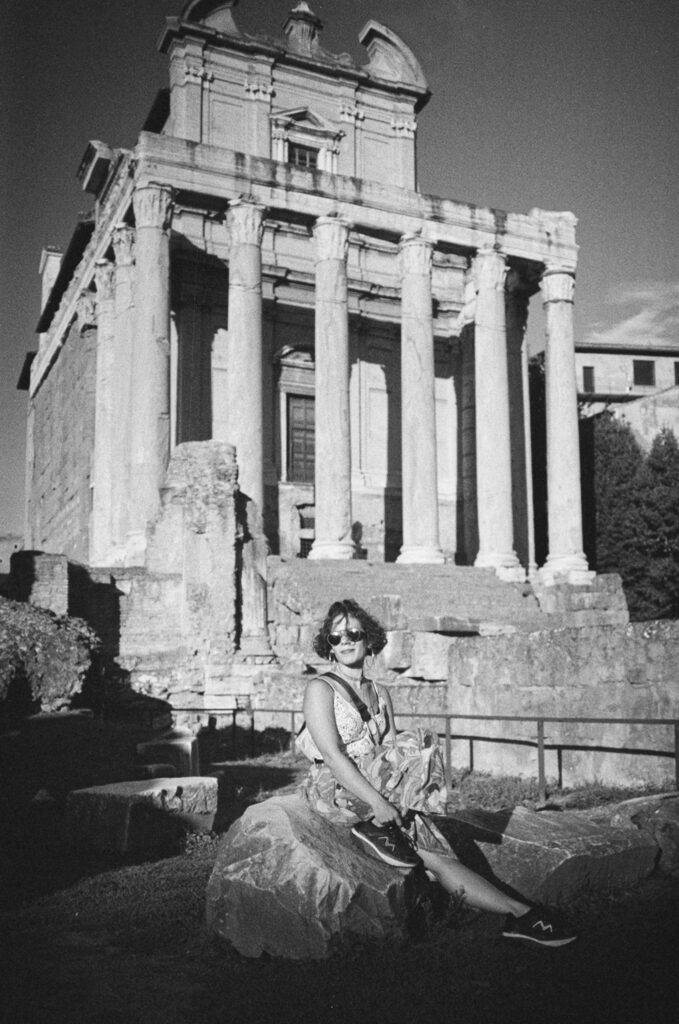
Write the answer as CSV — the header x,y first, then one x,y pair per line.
x,y
375,636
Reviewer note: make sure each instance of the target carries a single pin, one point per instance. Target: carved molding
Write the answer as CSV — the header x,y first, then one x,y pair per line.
x,y
104,279
122,239
196,73
152,206
404,128
557,285
245,221
351,114
86,311
331,235
416,255
258,89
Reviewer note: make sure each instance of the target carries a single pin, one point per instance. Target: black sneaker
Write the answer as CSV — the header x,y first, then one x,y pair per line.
x,y
541,926
387,842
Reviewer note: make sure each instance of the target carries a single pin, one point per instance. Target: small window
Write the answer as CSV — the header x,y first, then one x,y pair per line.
x,y
588,379
301,438
676,373
303,156
644,372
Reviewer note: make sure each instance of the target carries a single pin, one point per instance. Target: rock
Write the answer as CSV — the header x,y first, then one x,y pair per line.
x,y
288,883
151,771
549,856
136,817
177,746
657,817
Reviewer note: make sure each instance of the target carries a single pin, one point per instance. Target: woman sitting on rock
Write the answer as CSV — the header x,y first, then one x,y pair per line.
x,y
366,776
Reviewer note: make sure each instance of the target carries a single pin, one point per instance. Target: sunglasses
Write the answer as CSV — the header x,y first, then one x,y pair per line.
x,y
353,635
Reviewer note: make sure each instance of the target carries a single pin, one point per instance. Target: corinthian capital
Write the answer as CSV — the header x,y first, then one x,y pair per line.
x,y
332,238
489,269
122,240
416,255
104,276
152,206
245,222
557,284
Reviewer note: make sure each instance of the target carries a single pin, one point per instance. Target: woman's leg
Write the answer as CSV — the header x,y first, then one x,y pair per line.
x,y
479,893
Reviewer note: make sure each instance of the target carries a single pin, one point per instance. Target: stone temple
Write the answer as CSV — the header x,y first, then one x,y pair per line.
x,y
272,372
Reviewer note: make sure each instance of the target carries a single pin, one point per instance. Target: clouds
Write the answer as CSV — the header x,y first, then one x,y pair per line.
x,y
646,313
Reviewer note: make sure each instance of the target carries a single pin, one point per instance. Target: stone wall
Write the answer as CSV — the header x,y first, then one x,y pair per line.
x,y
63,443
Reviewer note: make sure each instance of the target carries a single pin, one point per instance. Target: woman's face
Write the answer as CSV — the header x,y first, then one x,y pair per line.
x,y
349,652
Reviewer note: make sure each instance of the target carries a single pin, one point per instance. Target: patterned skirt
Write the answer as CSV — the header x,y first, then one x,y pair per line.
x,y
409,774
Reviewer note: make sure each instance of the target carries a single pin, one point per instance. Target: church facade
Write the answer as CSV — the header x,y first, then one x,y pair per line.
x,y
261,269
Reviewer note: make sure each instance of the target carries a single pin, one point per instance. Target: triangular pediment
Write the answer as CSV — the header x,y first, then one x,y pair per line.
x,y
305,118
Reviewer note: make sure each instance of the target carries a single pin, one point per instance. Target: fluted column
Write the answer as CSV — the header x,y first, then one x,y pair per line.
x,y
333,445
516,312
105,419
150,441
122,238
468,421
493,455
418,406
243,384
566,559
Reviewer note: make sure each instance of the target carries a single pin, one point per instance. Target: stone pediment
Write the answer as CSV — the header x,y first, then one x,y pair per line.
x,y
306,120
390,58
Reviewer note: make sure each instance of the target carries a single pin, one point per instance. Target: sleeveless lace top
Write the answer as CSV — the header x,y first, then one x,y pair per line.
x,y
354,732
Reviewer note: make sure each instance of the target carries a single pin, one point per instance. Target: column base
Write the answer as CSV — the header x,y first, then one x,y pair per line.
x,y
506,565
334,549
571,569
421,555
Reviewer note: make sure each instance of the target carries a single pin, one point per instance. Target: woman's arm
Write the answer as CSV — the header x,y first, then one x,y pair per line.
x,y
383,691
319,713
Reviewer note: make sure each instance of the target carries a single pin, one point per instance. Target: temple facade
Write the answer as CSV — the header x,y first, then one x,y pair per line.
x,y
262,270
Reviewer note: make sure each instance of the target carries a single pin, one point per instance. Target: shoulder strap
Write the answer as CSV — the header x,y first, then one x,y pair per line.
x,y
349,695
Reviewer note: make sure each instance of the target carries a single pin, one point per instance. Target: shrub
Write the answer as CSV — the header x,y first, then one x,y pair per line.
x,y
44,658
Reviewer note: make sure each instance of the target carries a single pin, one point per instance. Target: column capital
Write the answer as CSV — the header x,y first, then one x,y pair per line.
x,y
104,276
415,254
152,205
245,221
557,284
489,269
122,239
332,238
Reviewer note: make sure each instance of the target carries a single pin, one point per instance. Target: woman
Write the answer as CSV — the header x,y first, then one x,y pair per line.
x,y
363,775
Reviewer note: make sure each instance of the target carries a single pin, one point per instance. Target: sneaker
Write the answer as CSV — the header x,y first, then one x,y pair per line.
x,y
541,926
387,842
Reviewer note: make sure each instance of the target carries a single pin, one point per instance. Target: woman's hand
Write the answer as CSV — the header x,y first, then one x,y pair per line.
x,y
384,812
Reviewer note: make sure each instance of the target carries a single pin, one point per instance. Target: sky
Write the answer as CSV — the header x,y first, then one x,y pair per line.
x,y
559,104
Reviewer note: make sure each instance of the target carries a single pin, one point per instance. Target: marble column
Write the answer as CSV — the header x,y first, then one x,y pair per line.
x,y
566,559
516,314
243,398
122,240
105,419
470,545
418,406
493,454
150,426
333,443
243,383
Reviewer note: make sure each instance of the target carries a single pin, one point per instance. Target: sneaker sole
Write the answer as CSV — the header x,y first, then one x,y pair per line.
x,y
553,943
394,862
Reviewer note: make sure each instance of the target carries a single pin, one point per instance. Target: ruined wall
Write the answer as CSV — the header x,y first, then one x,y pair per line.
x,y
63,443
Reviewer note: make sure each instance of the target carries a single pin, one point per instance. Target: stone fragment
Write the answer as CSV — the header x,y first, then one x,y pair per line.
x,y
657,817
288,883
141,816
176,746
549,856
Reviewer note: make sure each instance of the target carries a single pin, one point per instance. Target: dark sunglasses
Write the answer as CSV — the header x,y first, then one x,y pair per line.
x,y
353,635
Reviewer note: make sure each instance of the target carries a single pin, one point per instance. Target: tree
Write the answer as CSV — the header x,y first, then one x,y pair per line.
x,y
658,591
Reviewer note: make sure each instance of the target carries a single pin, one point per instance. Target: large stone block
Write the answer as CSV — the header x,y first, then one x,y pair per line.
x,y
136,817
288,883
657,817
549,856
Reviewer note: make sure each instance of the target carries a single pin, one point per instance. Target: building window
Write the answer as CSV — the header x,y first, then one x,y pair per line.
x,y
676,373
588,379
303,156
644,372
301,438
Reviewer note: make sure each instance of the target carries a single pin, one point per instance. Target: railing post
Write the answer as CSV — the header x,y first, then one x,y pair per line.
x,y
293,734
449,754
234,713
252,732
676,754
542,784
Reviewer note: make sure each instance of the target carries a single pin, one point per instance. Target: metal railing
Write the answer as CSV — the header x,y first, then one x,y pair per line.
x,y
539,721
